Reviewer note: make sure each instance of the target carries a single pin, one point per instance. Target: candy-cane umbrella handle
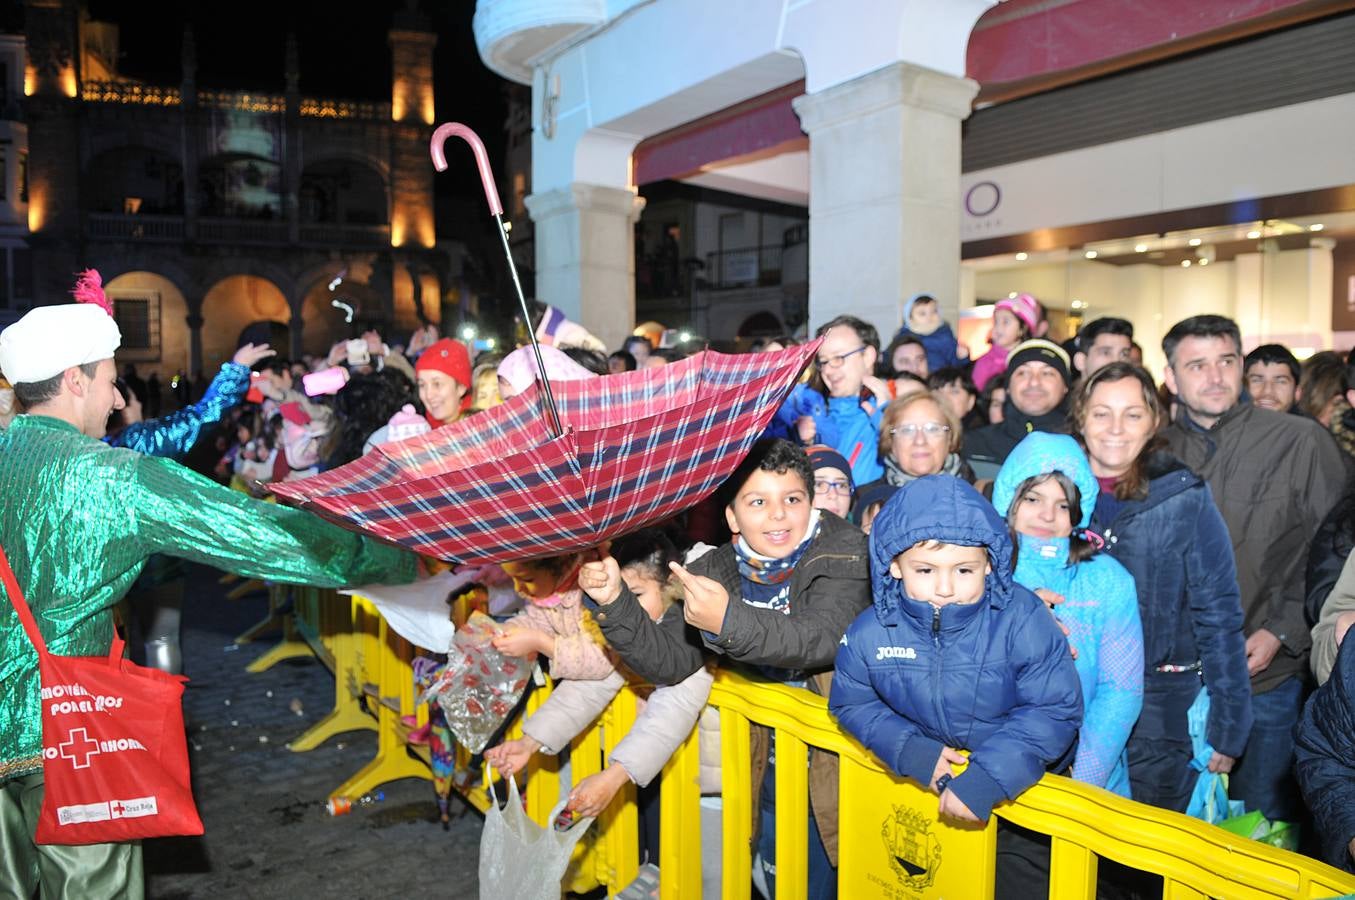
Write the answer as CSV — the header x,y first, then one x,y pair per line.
x,y
435,148
477,146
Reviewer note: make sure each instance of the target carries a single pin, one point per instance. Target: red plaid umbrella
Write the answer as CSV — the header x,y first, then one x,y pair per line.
x,y
636,448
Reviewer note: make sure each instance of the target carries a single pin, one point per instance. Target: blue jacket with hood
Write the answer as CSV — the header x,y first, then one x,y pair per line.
x,y
1100,609
993,677
943,350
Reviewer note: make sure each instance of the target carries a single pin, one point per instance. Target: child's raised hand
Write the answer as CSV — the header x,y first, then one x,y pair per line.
x,y
1050,598
593,794
601,580
707,600
953,807
949,757
514,641
511,756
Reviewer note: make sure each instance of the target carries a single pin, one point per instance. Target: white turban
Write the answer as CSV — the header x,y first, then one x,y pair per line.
x,y
50,339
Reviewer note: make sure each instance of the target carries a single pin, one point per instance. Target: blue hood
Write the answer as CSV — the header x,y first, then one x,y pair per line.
x,y
1040,453
941,508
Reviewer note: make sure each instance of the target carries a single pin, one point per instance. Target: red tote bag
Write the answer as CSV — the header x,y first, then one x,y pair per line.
x,y
115,760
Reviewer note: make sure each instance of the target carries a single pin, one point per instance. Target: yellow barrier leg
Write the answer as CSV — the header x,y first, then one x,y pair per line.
x,y
792,817
347,714
290,647
616,855
680,823
392,760
736,873
1072,871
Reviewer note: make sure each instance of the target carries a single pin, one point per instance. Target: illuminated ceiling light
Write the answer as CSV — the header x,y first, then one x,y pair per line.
x,y
1316,226
1253,235
1140,248
1195,242
1012,295
1022,256
1185,264
1090,254
1205,261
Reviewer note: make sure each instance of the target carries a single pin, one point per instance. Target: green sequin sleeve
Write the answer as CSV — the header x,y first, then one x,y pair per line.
x,y
180,513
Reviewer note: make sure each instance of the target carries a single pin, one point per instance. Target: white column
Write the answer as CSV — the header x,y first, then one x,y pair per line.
x,y
585,255
884,195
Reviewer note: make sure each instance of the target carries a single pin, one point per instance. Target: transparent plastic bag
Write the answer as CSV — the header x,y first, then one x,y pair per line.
x,y
520,860
479,686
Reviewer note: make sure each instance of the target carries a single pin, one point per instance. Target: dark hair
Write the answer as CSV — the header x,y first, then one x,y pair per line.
x,y
649,549
365,404
1200,327
923,298
1133,485
669,354
884,365
591,360
1079,548
995,384
628,363
952,375
1104,325
1272,354
636,337
1324,377
864,330
33,393
770,455
276,365
785,340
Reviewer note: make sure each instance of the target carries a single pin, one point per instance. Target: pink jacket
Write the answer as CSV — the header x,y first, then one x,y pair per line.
x,y
580,651
990,364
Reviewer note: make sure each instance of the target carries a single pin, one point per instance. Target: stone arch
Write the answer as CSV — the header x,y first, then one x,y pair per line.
x,y
152,309
233,303
323,323
761,324
133,179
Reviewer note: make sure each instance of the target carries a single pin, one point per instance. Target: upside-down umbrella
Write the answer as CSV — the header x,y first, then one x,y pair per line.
x,y
637,448
559,467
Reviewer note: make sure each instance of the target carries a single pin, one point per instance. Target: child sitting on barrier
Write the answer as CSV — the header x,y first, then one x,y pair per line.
x,y
775,600
553,624
955,656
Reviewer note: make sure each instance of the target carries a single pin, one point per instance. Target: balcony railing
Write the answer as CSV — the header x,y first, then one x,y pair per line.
x,y
137,94
744,267
170,229
155,229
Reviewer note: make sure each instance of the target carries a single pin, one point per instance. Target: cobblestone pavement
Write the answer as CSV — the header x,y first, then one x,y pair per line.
x,y
267,831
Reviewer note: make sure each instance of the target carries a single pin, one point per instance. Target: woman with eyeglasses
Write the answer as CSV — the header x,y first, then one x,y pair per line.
x,y
918,436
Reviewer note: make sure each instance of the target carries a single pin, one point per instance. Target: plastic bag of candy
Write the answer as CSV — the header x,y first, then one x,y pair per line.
x,y
479,686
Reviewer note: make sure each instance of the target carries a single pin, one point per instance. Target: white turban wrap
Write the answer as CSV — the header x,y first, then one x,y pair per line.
x,y
50,339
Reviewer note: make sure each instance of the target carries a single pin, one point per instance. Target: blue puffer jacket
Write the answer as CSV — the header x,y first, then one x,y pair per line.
x,y
1100,609
941,346
851,426
1176,545
1325,750
992,677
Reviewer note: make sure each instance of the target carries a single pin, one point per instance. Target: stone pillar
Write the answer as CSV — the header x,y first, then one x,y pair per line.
x,y
884,194
194,321
585,255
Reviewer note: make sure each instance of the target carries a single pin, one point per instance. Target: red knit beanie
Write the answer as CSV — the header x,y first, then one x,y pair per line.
x,y
452,359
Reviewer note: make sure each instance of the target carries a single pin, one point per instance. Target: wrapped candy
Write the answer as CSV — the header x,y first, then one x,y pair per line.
x,y
479,686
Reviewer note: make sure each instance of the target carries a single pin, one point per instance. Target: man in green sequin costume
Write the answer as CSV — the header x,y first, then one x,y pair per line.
x,y
78,520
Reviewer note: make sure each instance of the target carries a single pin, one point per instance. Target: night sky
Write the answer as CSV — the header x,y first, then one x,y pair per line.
x,y
343,54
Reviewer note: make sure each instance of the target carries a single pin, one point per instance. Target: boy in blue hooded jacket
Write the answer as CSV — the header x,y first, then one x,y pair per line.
x,y
907,685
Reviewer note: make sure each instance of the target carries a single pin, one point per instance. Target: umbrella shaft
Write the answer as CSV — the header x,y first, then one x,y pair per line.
x,y
531,332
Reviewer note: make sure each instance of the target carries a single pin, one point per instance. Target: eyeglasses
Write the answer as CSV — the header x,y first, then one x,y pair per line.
x,y
832,487
835,362
932,431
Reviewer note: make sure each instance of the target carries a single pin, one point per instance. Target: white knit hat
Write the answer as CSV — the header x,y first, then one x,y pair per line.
x,y
50,339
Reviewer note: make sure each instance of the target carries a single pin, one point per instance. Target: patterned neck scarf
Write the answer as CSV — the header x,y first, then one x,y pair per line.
x,y
766,581
895,475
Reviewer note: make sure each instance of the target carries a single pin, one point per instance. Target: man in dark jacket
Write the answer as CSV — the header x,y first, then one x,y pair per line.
x,y
776,600
1274,478
1325,741
1038,377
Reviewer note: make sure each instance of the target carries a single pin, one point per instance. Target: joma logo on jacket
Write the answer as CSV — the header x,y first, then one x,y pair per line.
x,y
895,653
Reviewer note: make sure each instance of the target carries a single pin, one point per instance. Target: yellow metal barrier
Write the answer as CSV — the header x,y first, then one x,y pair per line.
x,y
891,842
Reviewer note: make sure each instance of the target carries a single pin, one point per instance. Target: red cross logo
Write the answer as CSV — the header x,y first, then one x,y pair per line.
x,y
84,747
117,808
